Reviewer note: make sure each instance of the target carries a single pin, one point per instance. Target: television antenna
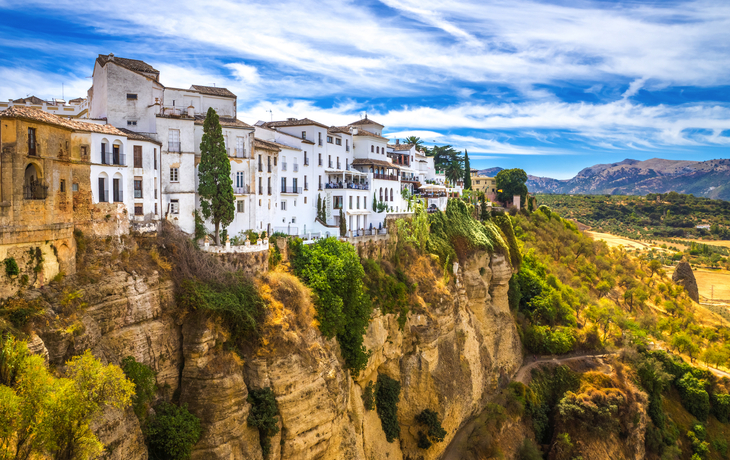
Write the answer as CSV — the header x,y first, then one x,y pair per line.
x,y
271,113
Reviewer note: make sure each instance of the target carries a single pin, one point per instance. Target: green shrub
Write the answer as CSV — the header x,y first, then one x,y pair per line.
x,y
388,293
694,397
333,271
263,415
720,445
172,432
144,381
368,398
435,433
387,395
529,450
11,267
544,392
274,253
544,340
721,406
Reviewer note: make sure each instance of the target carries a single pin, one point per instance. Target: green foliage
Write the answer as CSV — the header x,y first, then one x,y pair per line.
x,y
368,396
467,171
333,271
654,381
11,267
172,432
416,230
274,252
200,230
544,392
505,225
694,396
721,406
263,415
545,340
388,293
215,186
696,436
511,182
343,224
144,381
236,302
387,395
529,450
435,432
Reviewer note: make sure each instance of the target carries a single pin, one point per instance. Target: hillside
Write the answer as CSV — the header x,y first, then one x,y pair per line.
x,y
709,179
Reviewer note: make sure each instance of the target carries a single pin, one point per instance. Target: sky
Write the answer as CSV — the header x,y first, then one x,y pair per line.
x,y
548,86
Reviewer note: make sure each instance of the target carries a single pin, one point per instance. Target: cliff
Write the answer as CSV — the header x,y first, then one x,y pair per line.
x,y
455,351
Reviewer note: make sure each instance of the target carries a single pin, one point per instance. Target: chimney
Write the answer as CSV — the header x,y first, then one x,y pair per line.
x,y
191,111
111,56
397,142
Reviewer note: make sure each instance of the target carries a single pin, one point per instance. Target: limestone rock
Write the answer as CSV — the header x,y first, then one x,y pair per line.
x,y
684,276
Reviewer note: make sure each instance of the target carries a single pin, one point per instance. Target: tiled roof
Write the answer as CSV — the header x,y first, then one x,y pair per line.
x,y
31,99
131,64
294,122
78,99
362,132
307,141
34,114
213,90
277,144
265,145
138,136
224,121
365,121
338,130
400,146
368,161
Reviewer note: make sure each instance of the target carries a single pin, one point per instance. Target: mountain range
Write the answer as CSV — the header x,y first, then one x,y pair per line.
x,y
709,179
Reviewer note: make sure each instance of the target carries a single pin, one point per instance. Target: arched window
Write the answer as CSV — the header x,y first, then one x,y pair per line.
x,y
105,153
391,194
118,153
33,186
118,188
102,189
381,193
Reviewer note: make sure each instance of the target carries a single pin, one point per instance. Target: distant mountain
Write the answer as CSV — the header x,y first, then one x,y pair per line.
x,y
710,179
491,172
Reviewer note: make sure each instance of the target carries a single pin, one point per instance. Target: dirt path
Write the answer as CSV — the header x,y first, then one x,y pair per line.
x,y
523,375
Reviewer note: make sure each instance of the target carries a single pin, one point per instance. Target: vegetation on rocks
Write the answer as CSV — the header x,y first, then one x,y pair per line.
x,y
144,380
172,432
263,415
434,431
387,396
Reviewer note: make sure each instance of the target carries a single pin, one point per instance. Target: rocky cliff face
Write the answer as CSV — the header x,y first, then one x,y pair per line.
x,y
685,277
452,356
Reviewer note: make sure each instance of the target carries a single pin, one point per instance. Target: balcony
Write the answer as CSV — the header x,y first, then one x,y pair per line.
x,y
385,176
292,190
269,190
320,162
111,158
348,185
347,149
306,162
296,167
173,147
137,194
306,186
320,142
104,196
339,166
35,191
245,190
269,168
240,152
283,166
118,196
261,167
330,164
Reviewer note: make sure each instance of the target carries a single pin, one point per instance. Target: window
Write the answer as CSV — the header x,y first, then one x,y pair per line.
x,y
131,122
131,97
283,205
175,206
155,206
304,134
347,144
173,141
275,160
62,186
283,185
320,138
31,141
320,159
337,202
74,187
239,179
377,149
240,205
358,202
138,210
294,187
305,200
365,202
338,141
259,201
329,139
261,189
350,202
138,187
83,151
155,157
173,174
372,148
137,156
155,194
294,219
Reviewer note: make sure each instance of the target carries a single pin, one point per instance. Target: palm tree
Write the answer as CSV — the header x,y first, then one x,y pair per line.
x,y
455,169
414,140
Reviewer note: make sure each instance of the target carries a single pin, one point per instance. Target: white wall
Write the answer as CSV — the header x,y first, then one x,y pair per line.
x,y
185,189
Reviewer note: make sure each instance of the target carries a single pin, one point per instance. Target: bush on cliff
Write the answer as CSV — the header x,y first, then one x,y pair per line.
x,y
434,433
144,381
172,432
263,415
333,271
387,396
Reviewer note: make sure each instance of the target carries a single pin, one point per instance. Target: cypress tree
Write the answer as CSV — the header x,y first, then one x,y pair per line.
x,y
467,171
375,202
214,175
319,206
343,224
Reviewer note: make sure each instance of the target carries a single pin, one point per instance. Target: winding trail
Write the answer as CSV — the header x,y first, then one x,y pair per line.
x,y
524,373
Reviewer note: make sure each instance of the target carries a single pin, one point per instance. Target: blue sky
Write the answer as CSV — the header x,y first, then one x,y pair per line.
x,y
551,87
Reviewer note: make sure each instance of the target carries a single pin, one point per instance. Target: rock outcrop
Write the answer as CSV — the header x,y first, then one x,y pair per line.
x,y
454,353
684,276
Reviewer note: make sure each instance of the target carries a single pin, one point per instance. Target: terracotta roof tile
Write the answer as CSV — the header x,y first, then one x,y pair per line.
x,y
31,99
277,144
224,121
398,147
365,121
368,161
34,114
265,145
131,64
138,136
362,132
213,90
338,130
294,122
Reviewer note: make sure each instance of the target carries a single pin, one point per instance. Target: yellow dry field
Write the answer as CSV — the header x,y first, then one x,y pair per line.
x,y
614,241
724,243
706,279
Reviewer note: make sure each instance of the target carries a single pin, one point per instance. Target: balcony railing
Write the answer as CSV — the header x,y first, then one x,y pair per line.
x,y
118,196
289,189
240,152
296,167
35,191
385,176
347,149
320,162
320,142
269,190
283,165
245,190
269,168
138,193
306,162
173,147
111,158
348,185
261,167
104,196
330,164
339,166
306,186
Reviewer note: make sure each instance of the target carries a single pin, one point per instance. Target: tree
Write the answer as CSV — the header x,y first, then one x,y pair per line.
x,y
442,156
511,182
214,174
172,432
467,171
484,213
375,202
343,224
654,266
414,140
319,206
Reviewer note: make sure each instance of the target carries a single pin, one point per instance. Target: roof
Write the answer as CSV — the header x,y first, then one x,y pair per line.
x,y
138,136
131,64
338,130
31,99
400,146
362,132
228,122
294,122
34,114
365,121
213,90
368,161
277,144
78,99
266,145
